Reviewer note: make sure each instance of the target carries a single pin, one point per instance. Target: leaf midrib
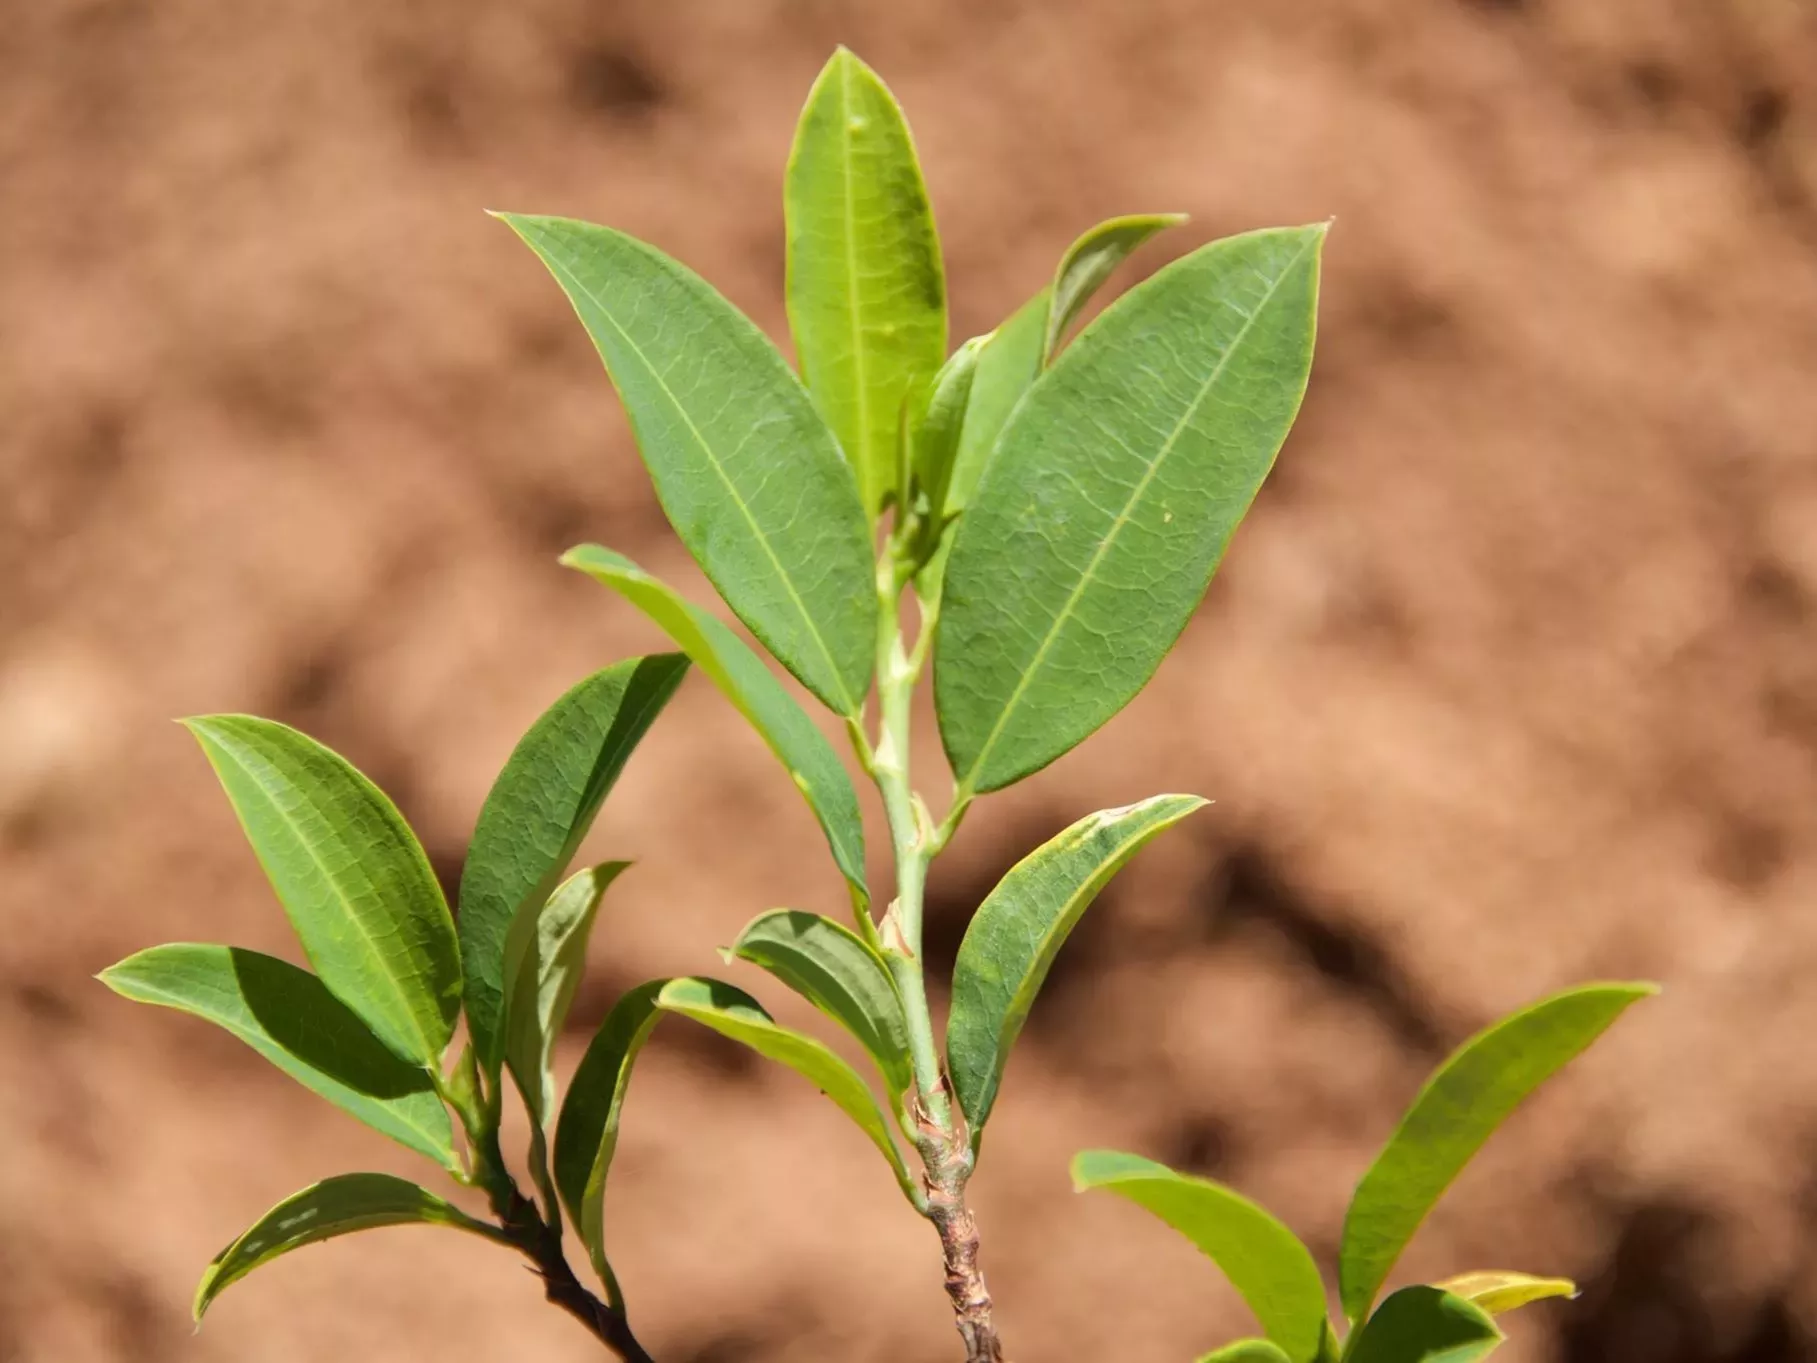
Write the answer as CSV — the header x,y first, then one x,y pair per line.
x,y
1122,519
861,382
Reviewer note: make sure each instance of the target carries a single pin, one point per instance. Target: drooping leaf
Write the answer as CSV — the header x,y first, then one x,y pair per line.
x,y
759,697
335,1206
1110,497
1501,1290
1091,260
748,473
734,1013
1266,1263
941,424
1471,1094
288,1016
1247,1351
351,876
1019,929
866,288
834,969
1425,1325
586,1137
544,960
539,811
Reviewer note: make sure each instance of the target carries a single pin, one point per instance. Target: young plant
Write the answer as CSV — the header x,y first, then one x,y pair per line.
x,y
1033,518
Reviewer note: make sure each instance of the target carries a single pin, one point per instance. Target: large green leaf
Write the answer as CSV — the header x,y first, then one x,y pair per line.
x,y
749,474
586,1137
834,969
866,290
1264,1261
335,1206
538,813
1110,497
290,1018
1091,260
1500,1290
351,876
544,960
1471,1094
1425,1325
1020,928
759,697
734,1013
1247,1351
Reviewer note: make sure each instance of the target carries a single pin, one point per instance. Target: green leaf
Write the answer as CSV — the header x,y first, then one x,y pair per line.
x,y
288,1016
834,969
1500,1290
1110,497
866,289
1264,1261
1471,1094
586,1137
759,697
1020,928
748,473
539,811
734,1013
335,1206
1246,1351
351,876
1091,260
1426,1325
544,960
941,423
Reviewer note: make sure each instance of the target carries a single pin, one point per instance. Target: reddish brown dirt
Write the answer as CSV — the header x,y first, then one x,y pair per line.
x,y
1511,680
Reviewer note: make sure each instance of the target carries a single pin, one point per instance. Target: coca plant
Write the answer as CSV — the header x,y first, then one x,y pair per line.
x,y
1053,506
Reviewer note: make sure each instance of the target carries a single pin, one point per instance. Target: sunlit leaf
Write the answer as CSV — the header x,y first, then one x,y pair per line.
x,y
1247,1351
1500,1290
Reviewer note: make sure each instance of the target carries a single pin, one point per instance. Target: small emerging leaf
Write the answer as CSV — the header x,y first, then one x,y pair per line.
x,y
1247,1351
866,288
351,876
836,970
1425,1325
748,473
1471,1094
1020,928
335,1206
1091,260
1501,1290
1264,1261
288,1016
537,815
941,425
734,1013
759,697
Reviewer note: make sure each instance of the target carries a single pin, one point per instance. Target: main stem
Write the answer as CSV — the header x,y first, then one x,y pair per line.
x,y
938,1129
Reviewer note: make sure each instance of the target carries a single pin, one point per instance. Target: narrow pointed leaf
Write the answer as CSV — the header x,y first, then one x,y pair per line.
x,y
335,1206
942,423
1499,1290
1426,1325
1091,260
1266,1263
1111,494
351,876
1008,364
586,1137
738,672
734,1013
834,969
539,811
544,960
866,288
1471,1094
288,1016
748,473
1247,1351
1020,928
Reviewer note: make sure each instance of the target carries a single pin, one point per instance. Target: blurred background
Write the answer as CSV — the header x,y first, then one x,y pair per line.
x,y
1510,681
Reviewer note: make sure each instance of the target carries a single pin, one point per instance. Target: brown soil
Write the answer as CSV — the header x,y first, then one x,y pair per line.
x,y
1510,681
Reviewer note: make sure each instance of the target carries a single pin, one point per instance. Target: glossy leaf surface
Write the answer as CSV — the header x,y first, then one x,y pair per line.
x,y
539,811
741,675
748,473
351,876
1425,1325
1019,929
1500,1290
1109,499
1471,1094
866,289
288,1016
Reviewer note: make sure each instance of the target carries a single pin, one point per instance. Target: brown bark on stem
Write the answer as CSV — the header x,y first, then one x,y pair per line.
x,y
947,1157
